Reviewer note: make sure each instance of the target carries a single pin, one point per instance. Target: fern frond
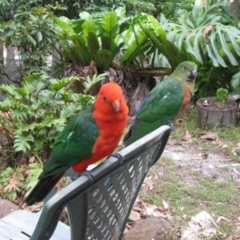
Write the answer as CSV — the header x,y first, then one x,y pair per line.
x,y
91,82
59,84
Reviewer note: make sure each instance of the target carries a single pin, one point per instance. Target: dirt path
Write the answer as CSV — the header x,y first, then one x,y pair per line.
x,y
210,163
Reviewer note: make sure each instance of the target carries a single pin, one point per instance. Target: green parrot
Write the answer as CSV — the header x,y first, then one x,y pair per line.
x,y
164,102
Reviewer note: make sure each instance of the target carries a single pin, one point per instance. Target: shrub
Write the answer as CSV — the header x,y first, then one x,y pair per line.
x,y
34,113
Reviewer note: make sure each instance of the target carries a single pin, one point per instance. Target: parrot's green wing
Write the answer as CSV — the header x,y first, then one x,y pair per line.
x,y
162,103
74,143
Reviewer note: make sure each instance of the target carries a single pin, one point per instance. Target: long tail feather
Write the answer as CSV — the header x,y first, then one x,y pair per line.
x,y
41,190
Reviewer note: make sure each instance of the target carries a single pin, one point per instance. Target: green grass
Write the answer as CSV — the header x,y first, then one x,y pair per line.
x,y
189,192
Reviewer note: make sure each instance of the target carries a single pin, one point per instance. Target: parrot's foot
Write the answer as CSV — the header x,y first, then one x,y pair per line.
x,y
72,179
88,175
118,156
170,124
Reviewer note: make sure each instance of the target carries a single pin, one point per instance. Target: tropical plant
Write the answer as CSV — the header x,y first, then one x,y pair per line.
x,y
212,34
136,43
128,40
110,37
145,36
92,38
207,35
103,41
213,37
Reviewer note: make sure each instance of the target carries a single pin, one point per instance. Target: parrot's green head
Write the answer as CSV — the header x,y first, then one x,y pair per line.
x,y
186,73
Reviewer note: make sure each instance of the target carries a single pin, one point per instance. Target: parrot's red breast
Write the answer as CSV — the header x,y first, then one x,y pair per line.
x,y
186,97
110,115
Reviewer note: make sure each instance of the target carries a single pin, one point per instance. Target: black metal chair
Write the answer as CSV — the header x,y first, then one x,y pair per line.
x,y
98,208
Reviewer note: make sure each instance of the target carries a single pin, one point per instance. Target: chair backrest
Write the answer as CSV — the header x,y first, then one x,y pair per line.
x,y
98,209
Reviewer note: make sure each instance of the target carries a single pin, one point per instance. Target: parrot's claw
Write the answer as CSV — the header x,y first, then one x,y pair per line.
x,y
88,175
118,156
72,179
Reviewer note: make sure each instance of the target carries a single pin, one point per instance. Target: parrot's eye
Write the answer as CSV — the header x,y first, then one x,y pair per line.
x,y
184,67
104,98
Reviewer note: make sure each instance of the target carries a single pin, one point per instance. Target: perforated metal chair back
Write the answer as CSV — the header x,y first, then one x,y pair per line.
x,y
98,209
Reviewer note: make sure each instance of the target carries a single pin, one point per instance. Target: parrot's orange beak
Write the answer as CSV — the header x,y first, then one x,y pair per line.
x,y
116,105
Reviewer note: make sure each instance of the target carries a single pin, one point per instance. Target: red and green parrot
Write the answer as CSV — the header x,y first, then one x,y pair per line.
x,y
87,138
164,101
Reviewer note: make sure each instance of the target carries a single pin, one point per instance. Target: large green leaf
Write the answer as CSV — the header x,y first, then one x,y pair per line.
x,y
225,46
209,33
63,83
65,25
110,21
159,38
77,25
93,44
89,27
104,58
81,50
110,30
132,44
235,81
133,53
